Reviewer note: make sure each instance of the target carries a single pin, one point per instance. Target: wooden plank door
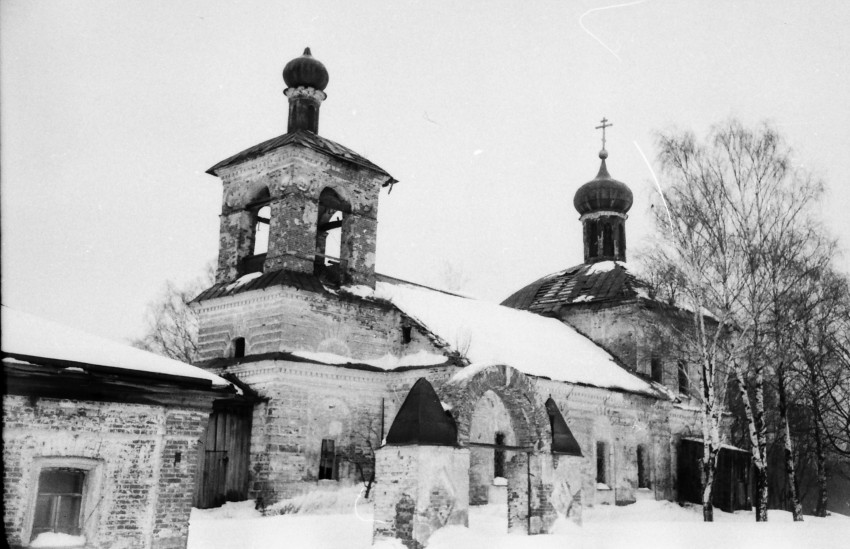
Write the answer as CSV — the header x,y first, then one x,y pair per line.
x,y
223,472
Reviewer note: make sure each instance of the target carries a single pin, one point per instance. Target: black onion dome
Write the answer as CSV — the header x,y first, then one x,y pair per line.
x,y
306,71
603,193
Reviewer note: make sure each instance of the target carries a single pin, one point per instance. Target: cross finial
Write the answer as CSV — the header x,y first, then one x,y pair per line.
x,y
604,125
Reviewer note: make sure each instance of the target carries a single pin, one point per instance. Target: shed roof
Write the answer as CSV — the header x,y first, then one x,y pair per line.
x,y
37,341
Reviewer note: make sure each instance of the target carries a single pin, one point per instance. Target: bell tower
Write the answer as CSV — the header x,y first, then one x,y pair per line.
x,y
603,204
300,202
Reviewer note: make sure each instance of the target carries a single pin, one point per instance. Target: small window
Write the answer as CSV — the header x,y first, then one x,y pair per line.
x,y
642,466
657,371
405,334
684,381
327,460
601,463
59,502
239,347
607,241
499,457
592,240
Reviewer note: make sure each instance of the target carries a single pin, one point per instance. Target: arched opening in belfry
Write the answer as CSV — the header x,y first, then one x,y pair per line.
x,y
259,211
261,230
329,233
491,436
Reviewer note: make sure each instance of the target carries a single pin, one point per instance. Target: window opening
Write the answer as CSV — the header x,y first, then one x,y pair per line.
x,y
239,347
405,334
642,466
656,370
499,457
592,240
601,462
332,210
684,382
327,460
607,241
261,230
59,501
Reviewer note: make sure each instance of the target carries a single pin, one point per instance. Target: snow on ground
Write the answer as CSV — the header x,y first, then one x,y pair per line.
x,y
645,524
491,334
26,334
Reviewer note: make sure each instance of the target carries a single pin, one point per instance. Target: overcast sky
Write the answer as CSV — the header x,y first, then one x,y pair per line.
x,y
484,111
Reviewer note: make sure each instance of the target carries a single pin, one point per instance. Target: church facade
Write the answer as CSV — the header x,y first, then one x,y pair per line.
x,y
562,397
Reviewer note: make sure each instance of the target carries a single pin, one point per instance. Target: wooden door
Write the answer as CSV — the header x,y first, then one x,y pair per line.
x,y
225,451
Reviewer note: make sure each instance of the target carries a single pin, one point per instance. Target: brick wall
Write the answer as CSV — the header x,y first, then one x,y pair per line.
x,y
143,496
295,177
288,319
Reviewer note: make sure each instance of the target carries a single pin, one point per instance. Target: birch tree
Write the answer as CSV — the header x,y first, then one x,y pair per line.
x,y
732,203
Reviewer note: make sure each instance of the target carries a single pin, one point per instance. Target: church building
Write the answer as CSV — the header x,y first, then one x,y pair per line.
x,y
563,397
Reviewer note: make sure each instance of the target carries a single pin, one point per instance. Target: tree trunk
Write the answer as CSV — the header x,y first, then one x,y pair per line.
x,y
823,493
709,465
796,507
761,438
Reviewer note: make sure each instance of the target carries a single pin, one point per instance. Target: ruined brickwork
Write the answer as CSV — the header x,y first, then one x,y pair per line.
x,y
283,318
139,463
422,489
292,178
306,403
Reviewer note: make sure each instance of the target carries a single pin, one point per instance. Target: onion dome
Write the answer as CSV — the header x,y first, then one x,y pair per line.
x,y
603,193
306,71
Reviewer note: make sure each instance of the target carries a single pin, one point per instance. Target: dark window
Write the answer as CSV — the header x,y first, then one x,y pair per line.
x,y
622,243
59,501
642,466
499,457
239,347
607,241
327,460
657,371
601,462
405,334
592,237
684,382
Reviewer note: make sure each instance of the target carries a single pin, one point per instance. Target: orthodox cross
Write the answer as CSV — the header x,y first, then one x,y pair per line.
x,y
604,125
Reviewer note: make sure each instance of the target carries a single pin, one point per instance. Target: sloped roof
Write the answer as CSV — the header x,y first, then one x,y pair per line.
x,y
487,334
36,340
604,281
307,139
483,333
422,420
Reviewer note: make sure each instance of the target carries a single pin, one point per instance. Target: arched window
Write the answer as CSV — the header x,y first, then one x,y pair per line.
x,y
258,238
261,230
643,466
601,462
499,457
592,239
239,347
607,241
657,370
329,237
684,381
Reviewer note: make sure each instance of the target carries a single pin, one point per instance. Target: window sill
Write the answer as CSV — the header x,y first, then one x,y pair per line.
x,y
602,487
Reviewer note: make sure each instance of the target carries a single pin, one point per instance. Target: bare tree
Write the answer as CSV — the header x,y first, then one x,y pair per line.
x,y
172,326
735,204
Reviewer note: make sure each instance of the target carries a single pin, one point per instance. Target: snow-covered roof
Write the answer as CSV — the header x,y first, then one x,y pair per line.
x,y
488,334
30,335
